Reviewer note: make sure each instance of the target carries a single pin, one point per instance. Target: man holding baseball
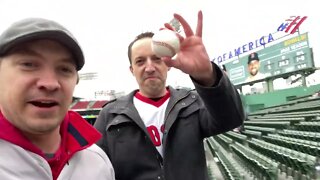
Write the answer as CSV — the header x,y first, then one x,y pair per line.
x,y
157,132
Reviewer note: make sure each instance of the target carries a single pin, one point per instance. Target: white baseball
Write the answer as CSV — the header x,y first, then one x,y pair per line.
x,y
165,43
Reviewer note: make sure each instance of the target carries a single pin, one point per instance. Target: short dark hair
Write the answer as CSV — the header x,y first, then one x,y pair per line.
x,y
140,36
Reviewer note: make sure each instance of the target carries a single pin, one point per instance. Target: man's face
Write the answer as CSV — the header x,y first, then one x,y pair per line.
x,y
149,70
253,67
37,80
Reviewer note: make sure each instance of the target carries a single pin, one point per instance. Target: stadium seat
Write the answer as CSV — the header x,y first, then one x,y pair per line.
x,y
98,104
81,105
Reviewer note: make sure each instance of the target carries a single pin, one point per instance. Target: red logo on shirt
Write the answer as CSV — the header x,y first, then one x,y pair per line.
x,y
155,134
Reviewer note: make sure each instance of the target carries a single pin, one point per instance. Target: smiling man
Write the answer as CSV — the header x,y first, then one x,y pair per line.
x,y
39,64
254,68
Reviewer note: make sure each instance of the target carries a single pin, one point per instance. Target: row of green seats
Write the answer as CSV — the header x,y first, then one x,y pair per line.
x,y
305,146
228,167
296,160
261,166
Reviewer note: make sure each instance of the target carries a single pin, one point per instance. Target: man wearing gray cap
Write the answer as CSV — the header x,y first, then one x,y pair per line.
x,y
39,137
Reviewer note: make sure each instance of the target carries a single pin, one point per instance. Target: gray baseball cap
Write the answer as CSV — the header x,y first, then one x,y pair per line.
x,y
38,28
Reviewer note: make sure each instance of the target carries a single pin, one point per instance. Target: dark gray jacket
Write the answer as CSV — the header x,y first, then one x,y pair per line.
x,y
190,117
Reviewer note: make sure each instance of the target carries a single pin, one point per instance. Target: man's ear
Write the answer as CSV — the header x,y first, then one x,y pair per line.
x,y
78,78
131,70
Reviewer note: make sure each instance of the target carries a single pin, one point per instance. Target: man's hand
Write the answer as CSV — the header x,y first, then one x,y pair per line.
x,y
192,58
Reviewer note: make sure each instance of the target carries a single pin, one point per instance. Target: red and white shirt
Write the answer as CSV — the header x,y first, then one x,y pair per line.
x,y
152,114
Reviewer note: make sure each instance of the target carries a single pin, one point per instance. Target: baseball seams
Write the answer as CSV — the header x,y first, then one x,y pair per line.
x,y
160,43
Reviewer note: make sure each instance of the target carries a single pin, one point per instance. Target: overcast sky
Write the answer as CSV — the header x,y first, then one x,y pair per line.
x,y
105,28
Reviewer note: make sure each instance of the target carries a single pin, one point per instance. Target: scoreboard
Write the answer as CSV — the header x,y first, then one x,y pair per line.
x,y
282,58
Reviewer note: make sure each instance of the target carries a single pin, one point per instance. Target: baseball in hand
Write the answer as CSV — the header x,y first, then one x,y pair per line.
x,y
165,43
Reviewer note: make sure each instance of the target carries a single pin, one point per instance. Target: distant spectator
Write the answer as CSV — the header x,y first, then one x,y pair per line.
x,y
224,70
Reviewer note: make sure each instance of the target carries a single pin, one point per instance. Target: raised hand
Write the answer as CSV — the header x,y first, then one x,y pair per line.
x,y
192,58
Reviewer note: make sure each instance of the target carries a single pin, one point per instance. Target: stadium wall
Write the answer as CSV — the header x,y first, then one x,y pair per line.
x,y
256,102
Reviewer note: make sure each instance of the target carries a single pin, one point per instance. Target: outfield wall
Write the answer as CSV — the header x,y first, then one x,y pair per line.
x,y
255,102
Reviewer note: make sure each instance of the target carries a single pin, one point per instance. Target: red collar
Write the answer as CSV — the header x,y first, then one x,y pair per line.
x,y
76,133
158,103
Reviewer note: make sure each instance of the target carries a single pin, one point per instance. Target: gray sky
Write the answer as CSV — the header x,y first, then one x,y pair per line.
x,y
105,28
